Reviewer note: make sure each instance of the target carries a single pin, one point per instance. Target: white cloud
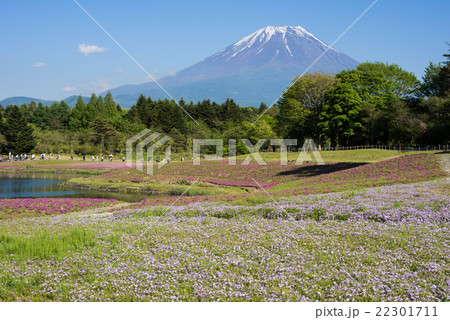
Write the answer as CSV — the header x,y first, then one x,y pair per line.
x,y
118,71
39,64
94,87
88,49
172,73
69,89
148,79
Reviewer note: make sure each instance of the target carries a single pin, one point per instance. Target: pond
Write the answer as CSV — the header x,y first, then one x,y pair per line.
x,y
38,185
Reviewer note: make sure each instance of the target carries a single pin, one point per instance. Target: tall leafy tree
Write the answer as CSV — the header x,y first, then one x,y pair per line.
x,y
444,77
380,84
430,81
404,126
436,111
341,114
302,104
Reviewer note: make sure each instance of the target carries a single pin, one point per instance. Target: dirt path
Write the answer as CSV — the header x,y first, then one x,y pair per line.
x,y
99,212
445,162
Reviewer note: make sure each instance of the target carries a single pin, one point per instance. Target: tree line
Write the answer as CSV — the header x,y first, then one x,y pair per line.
x,y
375,103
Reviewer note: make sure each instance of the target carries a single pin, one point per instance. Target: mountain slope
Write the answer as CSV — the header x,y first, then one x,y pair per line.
x,y
256,68
21,100
71,101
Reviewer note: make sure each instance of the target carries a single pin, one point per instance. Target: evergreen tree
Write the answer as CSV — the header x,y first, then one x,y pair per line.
x,y
18,134
262,107
58,114
92,109
78,116
111,110
40,116
2,129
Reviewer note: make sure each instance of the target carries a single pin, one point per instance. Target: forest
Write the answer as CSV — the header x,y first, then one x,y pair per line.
x,y
375,103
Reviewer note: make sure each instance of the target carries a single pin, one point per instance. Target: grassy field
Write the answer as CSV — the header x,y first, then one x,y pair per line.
x,y
383,244
219,181
359,156
352,230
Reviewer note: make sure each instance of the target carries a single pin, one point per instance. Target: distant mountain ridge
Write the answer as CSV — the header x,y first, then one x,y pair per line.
x,y
71,101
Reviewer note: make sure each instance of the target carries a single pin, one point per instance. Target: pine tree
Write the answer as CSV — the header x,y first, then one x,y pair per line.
x,y
78,118
19,135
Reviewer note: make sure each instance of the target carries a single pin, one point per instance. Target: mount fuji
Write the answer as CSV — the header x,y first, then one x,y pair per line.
x,y
257,68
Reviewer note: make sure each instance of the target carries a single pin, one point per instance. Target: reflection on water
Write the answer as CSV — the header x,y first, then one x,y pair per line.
x,y
37,185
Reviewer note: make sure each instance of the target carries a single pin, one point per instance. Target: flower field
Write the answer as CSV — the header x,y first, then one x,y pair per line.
x,y
291,180
388,243
27,207
409,168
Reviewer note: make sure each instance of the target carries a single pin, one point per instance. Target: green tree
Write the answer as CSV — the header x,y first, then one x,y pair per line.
x,y
444,77
78,117
104,134
18,134
380,84
58,115
92,109
3,143
302,104
341,114
40,116
405,127
2,129
430,81
262,108
437,113
111,110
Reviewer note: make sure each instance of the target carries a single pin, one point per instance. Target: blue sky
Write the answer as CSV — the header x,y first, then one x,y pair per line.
x,y
40,54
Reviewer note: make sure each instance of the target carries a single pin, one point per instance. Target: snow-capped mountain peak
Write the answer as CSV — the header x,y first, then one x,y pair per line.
x,y
273,43
265,34
258,67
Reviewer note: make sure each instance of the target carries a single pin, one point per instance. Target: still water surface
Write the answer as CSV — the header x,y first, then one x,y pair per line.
x,y
37,185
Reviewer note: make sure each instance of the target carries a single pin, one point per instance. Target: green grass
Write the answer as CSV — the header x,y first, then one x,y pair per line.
x,y
191,192
15,169
361,155
46,245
